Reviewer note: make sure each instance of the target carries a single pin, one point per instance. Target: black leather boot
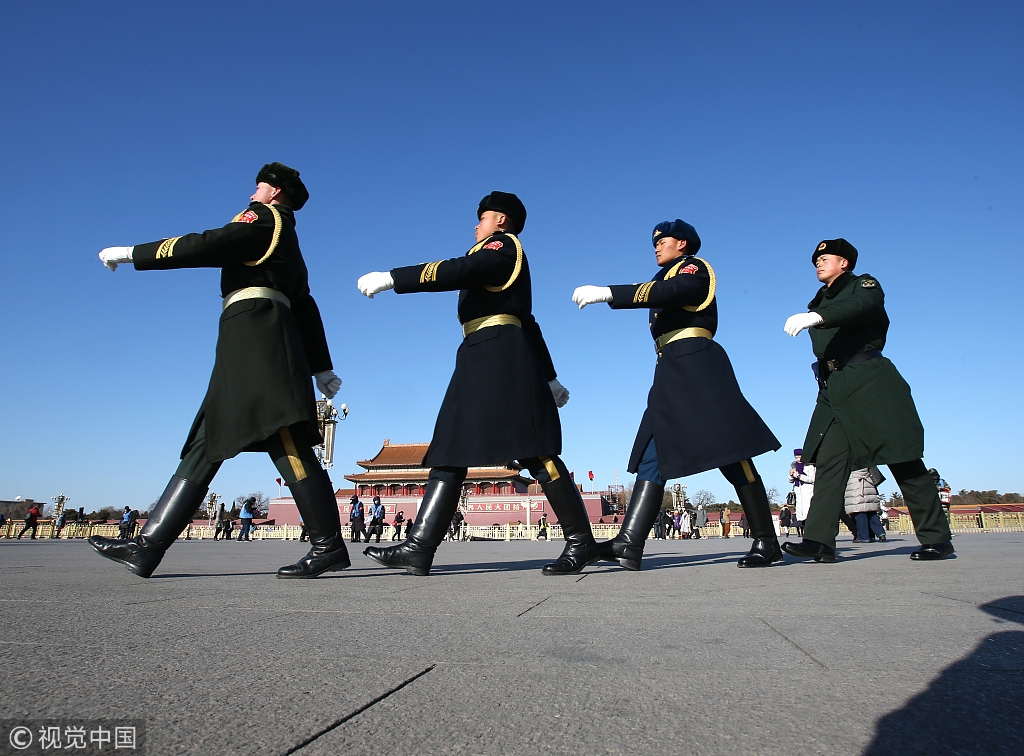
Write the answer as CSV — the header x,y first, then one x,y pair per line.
x,y
171,515
933,551
819,552
567,504
314,498
416,554
765,550
628,545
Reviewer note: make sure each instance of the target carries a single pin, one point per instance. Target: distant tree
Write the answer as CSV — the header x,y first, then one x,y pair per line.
x,y
773,497
985,497
106,513
705,498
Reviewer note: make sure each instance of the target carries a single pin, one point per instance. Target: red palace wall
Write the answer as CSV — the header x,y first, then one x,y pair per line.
x,y
480,510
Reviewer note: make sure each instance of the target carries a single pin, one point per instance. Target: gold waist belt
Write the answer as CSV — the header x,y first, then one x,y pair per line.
x,y
682,333
490,320
256,292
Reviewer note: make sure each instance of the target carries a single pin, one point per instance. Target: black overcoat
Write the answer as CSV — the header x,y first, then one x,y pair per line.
x,y
267,351
696,412
498,406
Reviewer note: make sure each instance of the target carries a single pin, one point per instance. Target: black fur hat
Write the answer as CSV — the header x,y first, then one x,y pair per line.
x,y
839,247
678,229
509,204
287,180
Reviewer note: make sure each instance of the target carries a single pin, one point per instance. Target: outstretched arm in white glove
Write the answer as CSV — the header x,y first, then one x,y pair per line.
x,y
375,283
328,383
800,321
560,392
588,295
114,256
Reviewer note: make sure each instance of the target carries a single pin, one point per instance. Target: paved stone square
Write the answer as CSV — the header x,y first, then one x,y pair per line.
x,y
873,655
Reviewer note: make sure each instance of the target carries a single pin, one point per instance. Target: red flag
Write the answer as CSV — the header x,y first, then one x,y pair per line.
x,y
572,475
591,473
278,481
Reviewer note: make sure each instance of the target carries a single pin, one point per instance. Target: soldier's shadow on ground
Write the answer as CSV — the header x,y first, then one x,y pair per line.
x,y
179,575
522,565
870,551
668,561
974,707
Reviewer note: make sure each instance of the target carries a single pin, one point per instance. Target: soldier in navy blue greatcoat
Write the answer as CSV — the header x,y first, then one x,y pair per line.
x,y
696,418
502,363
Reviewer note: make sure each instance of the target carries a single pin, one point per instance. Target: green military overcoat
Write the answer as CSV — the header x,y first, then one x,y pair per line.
x,y
869,400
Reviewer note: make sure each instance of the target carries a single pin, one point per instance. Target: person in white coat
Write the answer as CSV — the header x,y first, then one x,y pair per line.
x,y
801,477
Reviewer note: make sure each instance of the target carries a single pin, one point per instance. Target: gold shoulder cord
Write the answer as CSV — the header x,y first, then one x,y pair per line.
x,y
519,262
273,241
675,269
711,287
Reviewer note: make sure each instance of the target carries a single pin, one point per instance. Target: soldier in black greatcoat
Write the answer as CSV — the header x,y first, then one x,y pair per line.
x,y
260,396
696,418
502,402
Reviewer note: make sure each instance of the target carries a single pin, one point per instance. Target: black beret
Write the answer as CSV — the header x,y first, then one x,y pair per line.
x,y
678,229
509,204
287,180
839,247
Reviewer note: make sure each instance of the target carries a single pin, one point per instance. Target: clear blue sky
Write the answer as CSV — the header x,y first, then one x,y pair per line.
x,y
767,126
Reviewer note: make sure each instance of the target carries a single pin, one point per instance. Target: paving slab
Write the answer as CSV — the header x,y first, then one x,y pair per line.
x,y
873,655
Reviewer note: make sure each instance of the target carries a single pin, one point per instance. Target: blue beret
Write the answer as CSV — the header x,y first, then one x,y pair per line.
x,y
678,229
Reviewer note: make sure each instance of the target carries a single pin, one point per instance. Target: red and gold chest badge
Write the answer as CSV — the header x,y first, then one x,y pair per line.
x,y
249,216
493,245
691,268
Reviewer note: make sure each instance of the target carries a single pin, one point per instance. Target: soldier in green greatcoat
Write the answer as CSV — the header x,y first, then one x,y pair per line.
x,y
865,414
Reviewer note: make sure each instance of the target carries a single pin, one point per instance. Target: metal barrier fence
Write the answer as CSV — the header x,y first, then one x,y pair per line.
x,y
973,522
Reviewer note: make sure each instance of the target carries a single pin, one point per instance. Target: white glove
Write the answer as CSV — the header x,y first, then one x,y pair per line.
x,y
114,256
800,321
560,392
328,383
375,283
587,295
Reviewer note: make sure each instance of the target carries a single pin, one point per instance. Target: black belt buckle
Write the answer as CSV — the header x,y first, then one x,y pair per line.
x,y
832,365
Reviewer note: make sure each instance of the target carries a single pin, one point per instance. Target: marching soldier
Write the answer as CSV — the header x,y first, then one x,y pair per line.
x,y
696,417
864,414
269,319
503,362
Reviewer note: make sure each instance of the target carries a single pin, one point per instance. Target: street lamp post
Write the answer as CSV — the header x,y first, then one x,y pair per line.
x,y
327,415
211,507
58,509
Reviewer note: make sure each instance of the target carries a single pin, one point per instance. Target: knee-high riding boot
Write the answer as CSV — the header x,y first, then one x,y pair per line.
x,y
314,498
567,504
416,554
765,549
171,514
628,545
